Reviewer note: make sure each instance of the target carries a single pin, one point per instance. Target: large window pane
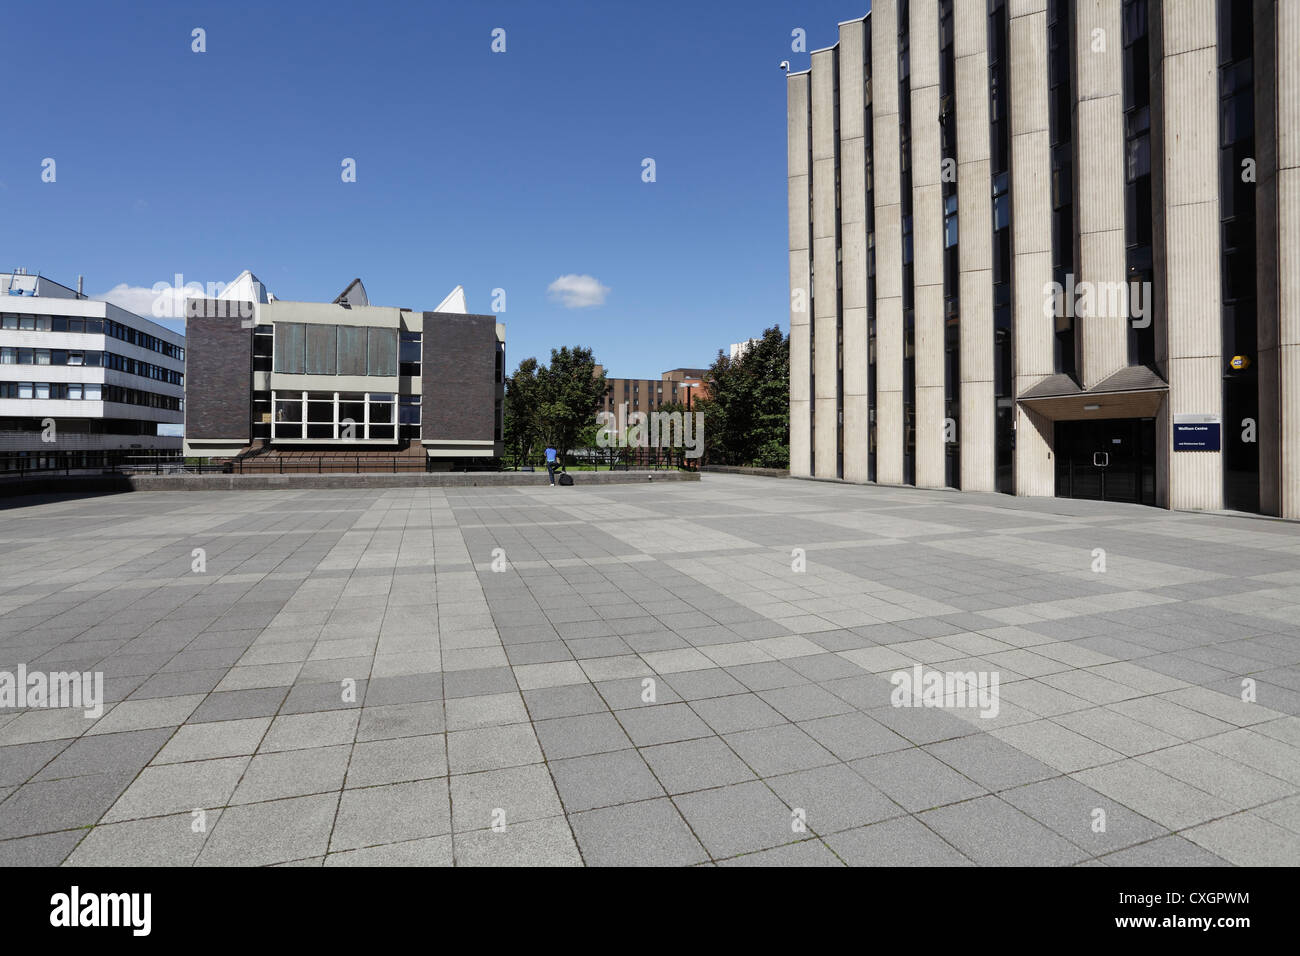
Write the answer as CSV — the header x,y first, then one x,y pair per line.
x,y
288,411
351,350
290,347
383,351
321,344
409,410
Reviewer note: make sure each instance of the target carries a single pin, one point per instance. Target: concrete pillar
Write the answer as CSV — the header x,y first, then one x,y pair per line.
x,y
1277,212
975,246
1099,180
798,163
825,266
927,242
853,242
889,243
1031,238
1185,181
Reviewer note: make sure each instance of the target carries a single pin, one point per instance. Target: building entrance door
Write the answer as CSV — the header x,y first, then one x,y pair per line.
x,y
1107,460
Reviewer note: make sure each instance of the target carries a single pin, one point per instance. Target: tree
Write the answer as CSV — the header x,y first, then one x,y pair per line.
x,y
553,404
520,427
747,412
570,393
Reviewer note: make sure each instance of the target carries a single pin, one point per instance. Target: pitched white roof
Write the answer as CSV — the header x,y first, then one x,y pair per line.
x,y
246,288
455,302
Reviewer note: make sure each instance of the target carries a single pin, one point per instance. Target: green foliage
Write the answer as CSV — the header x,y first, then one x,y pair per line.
x,y
747,413
520,432
553,405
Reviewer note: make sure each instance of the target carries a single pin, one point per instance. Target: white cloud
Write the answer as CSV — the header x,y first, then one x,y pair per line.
x,y
167,302
578,292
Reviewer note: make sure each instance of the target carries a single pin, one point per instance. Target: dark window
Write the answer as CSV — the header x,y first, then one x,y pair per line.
x,y
951,255
1060,52
1238,269
1137,173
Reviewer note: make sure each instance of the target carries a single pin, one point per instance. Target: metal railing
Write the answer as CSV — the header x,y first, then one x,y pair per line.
x,y
65,463
611,459
299,465
333,465
597,459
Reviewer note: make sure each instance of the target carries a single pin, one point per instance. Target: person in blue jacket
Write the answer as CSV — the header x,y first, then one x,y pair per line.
x,y
550,463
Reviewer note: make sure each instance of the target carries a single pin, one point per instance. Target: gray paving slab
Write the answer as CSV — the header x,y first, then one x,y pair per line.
x,y
371,816
362,693
615,836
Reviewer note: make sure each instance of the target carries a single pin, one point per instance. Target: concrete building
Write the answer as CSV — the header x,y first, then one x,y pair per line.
x,y
676,386
1051,248
83,384
738,349
270,377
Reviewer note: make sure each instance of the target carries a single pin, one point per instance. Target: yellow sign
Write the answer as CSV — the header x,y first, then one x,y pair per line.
x,y
1240,362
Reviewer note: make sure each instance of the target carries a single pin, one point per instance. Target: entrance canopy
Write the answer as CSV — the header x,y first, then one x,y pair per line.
x,y
1134,392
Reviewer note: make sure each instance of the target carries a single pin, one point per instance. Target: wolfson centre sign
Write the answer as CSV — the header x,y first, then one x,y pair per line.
x,y
651,430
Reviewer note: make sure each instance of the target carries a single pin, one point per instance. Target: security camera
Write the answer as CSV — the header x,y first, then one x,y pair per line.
x,y
785,65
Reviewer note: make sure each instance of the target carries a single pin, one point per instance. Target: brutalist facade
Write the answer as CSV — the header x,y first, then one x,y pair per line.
x,y
1051,248
342,377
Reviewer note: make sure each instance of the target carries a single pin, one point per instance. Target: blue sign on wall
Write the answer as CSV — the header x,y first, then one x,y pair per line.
x,y
1202,435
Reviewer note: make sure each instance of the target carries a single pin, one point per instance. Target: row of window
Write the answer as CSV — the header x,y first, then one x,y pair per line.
x,y
92,359
89,392
22,322
346,416
309,349
144,369
143,339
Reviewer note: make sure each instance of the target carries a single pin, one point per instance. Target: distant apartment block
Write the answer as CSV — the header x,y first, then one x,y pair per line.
x,y
738,349
677,386
343,377
83,384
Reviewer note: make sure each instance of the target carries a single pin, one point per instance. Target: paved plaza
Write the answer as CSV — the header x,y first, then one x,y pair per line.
x,y
648,674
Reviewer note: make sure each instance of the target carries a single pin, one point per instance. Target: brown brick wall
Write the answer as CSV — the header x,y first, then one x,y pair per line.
x,y
218,369
458,377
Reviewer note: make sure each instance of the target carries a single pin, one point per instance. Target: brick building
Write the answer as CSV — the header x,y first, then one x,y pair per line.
x,y
679,385
268,377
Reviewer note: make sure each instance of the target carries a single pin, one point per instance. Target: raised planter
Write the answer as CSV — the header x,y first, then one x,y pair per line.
x,y
746,470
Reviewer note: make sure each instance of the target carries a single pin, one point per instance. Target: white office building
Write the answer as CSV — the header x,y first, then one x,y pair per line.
x,y
83,384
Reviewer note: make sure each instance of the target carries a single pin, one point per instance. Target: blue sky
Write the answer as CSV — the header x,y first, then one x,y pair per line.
x,y
489,170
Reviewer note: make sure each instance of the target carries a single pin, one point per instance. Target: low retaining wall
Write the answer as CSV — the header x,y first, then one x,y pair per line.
x,y
745,470
78,484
